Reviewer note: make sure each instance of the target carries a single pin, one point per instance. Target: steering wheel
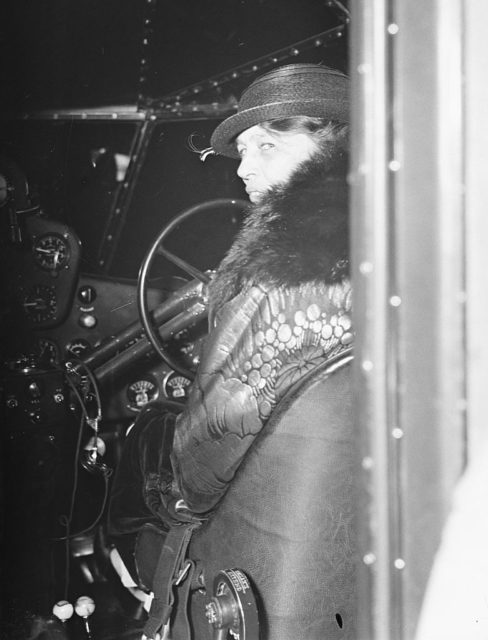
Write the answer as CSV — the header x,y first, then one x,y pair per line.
x,y
191,297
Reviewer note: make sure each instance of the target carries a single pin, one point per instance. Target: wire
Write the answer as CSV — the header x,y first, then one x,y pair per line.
x,y
95,521
66,520
91,377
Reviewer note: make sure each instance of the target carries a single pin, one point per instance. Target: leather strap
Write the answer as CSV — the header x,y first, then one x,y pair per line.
x,y
182,628
172,569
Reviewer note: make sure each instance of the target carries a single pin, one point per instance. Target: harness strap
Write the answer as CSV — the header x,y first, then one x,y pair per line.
x,y
170,571
181,629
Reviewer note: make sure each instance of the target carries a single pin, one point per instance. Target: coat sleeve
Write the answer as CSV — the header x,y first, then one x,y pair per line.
x,y
263,343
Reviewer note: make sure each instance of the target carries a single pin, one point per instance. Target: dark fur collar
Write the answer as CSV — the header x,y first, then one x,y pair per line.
x,y
297,234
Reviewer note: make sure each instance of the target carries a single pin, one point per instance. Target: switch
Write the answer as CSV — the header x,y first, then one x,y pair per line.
x,y
87,294
34,390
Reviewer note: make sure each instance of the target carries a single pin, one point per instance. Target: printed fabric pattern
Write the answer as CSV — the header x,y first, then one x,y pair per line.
x,y
265,340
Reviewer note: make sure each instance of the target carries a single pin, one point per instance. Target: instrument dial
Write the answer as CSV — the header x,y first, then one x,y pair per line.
x,y
141,392
51,252
176,386
40,304
77,347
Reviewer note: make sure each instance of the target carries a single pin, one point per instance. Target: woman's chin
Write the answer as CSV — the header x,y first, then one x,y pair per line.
x,y
256,196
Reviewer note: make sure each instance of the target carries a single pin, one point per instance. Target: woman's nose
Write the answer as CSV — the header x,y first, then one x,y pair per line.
x,y
246,167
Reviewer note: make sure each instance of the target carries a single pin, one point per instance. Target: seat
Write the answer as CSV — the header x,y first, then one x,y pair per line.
x,y
287,520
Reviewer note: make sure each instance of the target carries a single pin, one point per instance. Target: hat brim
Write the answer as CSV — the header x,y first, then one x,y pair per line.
x,y
223,138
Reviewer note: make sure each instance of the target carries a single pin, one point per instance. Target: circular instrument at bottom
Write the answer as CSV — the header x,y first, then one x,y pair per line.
x,y
176,386
40,304
233,610
141,392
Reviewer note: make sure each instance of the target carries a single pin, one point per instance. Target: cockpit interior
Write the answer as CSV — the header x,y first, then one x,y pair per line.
x,y
115,214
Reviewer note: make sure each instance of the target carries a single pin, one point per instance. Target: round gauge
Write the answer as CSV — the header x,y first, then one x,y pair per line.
x,y
40,303
48,352
140,393
51,252
77,347
176,386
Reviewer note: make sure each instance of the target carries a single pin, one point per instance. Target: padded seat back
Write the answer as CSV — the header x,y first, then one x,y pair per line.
x,y
287,519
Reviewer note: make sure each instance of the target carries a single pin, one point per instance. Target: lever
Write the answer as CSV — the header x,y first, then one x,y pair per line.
x,y
84,607
63,610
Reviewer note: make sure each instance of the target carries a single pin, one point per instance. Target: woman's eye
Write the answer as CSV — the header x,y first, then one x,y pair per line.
x,y
267,145
241,152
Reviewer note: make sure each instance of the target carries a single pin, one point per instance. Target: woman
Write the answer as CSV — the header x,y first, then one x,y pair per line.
x,y
279,302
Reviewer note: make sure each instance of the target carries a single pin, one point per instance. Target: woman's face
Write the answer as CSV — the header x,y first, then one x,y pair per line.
x,y
269,159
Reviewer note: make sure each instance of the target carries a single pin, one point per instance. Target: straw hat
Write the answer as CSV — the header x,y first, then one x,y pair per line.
x,y
303,89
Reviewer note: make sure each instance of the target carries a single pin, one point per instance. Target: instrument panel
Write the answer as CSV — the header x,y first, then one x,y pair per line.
x,y
66,315
41,271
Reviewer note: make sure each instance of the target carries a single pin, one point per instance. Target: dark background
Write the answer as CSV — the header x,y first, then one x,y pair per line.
x,y
60,53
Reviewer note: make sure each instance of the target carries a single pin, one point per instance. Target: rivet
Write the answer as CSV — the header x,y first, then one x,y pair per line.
x,y
395,301
399,563
369,559
364,67
367,463
397,433
394,165
367,365
366,267
393,28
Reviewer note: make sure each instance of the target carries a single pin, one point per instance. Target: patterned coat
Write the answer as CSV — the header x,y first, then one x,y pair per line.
x,y
280,305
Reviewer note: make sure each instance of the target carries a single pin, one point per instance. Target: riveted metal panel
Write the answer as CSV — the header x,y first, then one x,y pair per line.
x,y
408,244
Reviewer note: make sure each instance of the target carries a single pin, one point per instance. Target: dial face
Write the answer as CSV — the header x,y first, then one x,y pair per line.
x,y
141,392
40,303
176,386
51,252
77,347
